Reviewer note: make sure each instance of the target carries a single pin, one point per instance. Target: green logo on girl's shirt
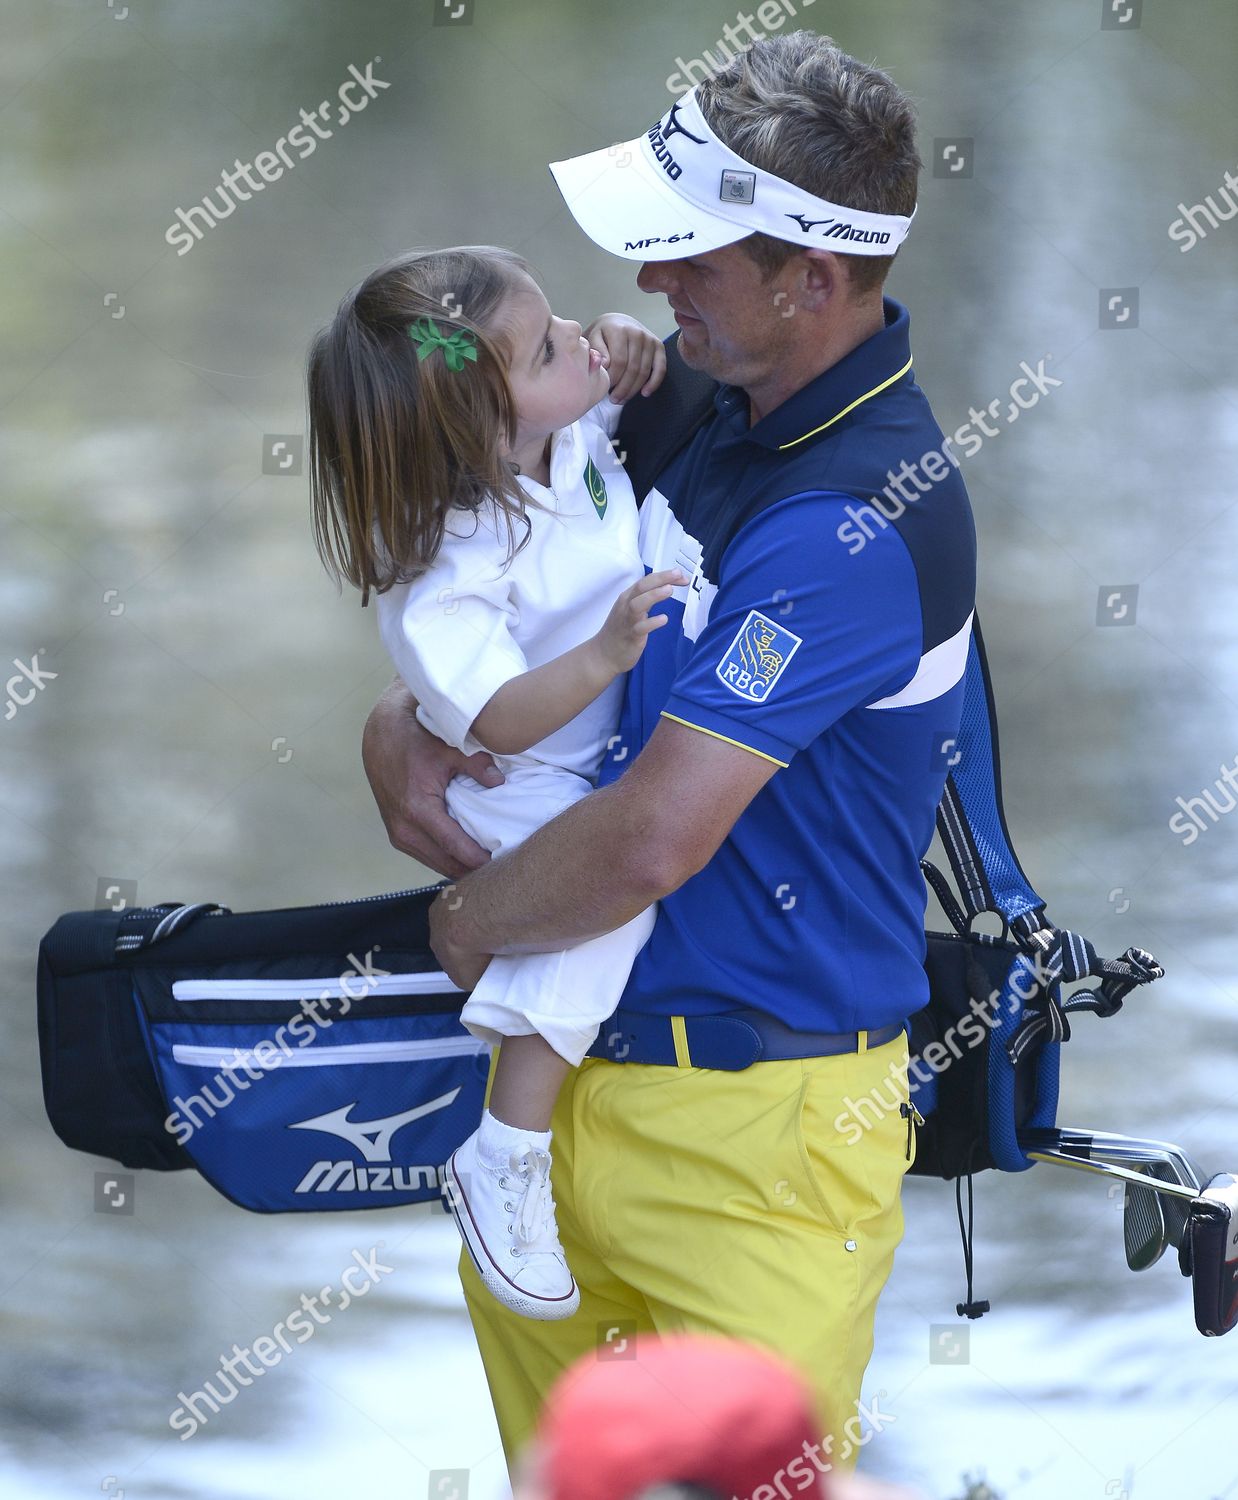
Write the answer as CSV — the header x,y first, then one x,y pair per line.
x,y
596,486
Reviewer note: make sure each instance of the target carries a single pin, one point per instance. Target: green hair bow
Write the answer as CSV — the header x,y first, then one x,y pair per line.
x,y
456,347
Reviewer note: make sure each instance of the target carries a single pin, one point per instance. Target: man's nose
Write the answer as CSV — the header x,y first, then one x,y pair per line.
x,y
658,276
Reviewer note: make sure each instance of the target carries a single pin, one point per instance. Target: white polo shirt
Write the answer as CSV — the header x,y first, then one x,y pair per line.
x,y
472,621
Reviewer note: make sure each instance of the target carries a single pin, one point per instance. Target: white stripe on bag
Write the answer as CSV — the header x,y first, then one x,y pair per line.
x,y
359,985
324,1057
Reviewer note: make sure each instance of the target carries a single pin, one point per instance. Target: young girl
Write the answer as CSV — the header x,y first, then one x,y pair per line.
x,y
462,469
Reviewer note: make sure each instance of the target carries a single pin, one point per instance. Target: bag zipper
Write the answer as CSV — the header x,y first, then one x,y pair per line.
x,y
357,1053
417,890
131,941
434,982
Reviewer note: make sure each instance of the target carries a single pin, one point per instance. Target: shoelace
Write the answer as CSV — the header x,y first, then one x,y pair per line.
x,y
534,1223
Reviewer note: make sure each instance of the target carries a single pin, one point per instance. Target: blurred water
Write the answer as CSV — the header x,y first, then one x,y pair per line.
x,y
172,587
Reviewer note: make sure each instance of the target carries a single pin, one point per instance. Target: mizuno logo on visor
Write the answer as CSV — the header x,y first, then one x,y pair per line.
x,y
673,127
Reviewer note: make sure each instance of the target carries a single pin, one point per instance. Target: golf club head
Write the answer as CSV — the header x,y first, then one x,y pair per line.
x,y
1176,1212
1161,1183
1152,1220
1160,1160
1209,1255
1145,1233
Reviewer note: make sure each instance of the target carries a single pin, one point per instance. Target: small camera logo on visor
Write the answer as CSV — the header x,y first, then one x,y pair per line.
x,y
738,187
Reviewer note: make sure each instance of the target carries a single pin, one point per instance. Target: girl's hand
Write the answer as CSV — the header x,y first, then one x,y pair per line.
x,y
637,360
628,626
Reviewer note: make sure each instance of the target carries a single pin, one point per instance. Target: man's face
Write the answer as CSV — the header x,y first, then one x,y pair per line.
x,y
733,325
555,376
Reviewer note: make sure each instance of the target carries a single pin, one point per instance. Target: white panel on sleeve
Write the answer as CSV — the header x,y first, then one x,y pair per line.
x,y
937,673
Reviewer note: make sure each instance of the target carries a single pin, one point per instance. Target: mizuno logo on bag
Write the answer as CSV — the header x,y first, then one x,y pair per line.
x,y
372,1138
347,1177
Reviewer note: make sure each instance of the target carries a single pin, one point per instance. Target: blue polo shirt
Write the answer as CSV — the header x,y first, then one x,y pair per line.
x,y
832,555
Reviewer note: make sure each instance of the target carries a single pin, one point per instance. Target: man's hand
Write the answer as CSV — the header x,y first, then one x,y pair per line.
x,y
462,968
636,358
408,769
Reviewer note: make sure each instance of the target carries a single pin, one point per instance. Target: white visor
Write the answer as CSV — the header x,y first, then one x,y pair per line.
x,y
678,191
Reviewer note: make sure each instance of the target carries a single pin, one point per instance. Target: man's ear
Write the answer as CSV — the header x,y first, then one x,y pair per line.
x,y
823,278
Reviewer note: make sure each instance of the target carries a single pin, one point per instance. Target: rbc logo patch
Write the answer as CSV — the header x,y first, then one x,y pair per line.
x,y
755,659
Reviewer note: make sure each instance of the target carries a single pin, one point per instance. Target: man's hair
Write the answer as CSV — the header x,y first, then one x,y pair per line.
x,y
797,106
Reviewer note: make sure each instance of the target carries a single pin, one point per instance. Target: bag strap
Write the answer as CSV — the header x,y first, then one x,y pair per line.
x,y
653,429
972,823
971,818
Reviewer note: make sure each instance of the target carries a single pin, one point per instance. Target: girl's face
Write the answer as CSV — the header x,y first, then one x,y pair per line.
x,y
555,375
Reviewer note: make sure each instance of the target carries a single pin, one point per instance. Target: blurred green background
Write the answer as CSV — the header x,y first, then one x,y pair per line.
x,y
200,739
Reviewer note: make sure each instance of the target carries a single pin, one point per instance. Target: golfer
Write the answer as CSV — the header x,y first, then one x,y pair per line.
x,y
780,756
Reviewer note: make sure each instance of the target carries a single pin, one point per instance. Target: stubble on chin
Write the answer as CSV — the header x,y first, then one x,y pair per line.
x,y
706,361
696,357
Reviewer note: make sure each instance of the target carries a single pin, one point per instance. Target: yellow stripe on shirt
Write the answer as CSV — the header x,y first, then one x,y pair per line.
x,y
859,401
726,739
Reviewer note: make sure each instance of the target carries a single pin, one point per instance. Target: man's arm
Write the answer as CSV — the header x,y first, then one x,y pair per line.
x,y
606,858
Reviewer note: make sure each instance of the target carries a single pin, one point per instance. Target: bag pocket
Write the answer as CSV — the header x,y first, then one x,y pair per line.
x,y
359,1114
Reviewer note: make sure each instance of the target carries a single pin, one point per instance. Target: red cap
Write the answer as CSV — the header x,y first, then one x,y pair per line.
x,y
698,1410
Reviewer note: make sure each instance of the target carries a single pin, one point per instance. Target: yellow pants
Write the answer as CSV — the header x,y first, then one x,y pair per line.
x,y
721,1202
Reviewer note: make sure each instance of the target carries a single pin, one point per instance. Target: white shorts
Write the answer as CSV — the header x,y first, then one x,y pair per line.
x,y
564,996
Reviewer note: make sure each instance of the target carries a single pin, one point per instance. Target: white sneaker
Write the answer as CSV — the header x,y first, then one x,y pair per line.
x,y
506,1216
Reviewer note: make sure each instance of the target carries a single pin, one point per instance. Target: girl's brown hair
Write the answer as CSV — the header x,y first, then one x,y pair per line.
x,y
397,442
